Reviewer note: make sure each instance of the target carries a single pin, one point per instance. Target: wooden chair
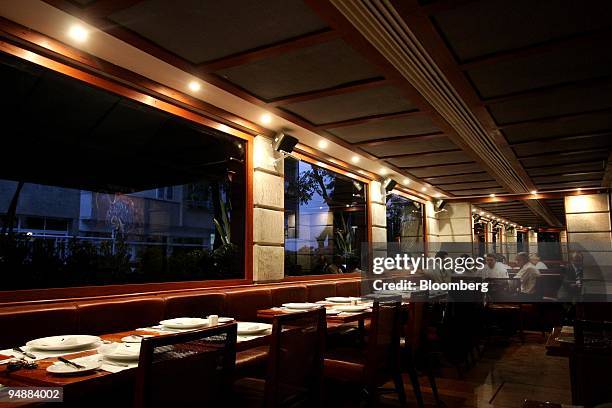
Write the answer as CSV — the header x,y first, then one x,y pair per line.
x,y
295,364
590,363
188,368
379,362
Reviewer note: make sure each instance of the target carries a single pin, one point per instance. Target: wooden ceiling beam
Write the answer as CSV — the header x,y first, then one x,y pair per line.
x,y
535,49
336,90
269,51
421,154
433,166
373,118
97,9
554,119
407,138
545,195
556,154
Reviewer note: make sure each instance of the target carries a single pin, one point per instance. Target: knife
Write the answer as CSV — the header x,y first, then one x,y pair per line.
x,y
25,353
72,363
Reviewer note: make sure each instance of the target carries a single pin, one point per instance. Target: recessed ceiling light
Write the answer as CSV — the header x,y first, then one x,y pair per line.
x,y
265,118
438,195
322,144
482,213
78,33
491,195
579,189
534,191
355,159
406,181
473,210
194,86
423,189
383,171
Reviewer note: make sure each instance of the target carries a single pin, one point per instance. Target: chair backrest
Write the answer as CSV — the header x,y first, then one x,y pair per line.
x,y
186,368
383,342
590,363
295,365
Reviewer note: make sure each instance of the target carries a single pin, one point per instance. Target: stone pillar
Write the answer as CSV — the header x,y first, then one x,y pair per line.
x,y
532,239
268,212
588,230
378,209
510,245
431,226
563,243
455,228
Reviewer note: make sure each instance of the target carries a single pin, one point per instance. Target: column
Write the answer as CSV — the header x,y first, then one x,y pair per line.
x,y
268,212
510,245
454,224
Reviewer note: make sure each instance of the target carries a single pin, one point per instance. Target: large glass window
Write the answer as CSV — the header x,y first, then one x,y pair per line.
x,y
96,189
325,220
404,220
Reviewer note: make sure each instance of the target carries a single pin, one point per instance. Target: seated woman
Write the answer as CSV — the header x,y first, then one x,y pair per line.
x,y
536,262
528,274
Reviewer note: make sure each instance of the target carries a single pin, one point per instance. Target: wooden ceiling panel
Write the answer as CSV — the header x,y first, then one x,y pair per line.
x,y
429,159
302,70
569,143
459,178
200,31
587,124
472,184
451,169
404,147
556,103
485,27
386,128
564,178
553,159
478,191
598,165
368,102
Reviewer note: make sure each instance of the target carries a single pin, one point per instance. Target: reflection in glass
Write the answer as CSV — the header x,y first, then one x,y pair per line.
x,y
325,220
404,220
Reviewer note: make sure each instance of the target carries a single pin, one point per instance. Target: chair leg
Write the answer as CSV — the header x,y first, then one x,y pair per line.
x,y
399,388
372,396
414,380
433,385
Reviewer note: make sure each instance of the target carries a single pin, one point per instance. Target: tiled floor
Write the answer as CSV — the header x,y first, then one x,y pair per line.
x,y
505,375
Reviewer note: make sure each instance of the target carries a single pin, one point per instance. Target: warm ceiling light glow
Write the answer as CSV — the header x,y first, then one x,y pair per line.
x,y
265,118
578,189
355,159
322,144
482,213
406,181
383,171
194,86
534,192
473,210
491,195
78,33
423,189
438,195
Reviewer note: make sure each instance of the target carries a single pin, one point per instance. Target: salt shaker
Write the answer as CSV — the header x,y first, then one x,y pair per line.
x,y
213,320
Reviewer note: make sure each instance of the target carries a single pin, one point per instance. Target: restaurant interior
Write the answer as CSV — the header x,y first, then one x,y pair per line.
x,y
234,203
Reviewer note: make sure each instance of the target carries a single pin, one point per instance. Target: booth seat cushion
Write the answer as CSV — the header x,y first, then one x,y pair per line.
x,y
287,294
20,325
194,305
348,288
244,304
101,317
319,291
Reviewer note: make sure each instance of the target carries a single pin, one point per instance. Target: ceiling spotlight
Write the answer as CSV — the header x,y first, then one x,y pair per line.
x,y
491,195
383,171
322,144
578,189
534,191
473,210
406,181
355,159
423,189
438,195
482,213
265,118
194,86
78,33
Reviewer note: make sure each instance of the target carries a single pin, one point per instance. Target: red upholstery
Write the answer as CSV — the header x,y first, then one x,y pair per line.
x,y
348,288
21,325
115,316
243,305
287,294
320,291
194,305
352,371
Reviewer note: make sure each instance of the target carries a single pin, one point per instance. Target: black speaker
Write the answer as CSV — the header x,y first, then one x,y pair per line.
x,y
440,204
284,143
390,185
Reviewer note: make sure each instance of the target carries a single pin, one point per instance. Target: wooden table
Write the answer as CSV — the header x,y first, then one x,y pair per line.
x,y
98,382
555,347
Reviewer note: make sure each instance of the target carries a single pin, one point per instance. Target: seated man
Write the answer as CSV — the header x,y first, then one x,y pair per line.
x,y
535,261
528,274
492,268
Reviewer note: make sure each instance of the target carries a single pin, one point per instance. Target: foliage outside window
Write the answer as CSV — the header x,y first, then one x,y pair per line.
x,y
325,220
404,220
108,191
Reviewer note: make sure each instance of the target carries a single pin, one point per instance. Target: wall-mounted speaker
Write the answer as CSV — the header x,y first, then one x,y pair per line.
x,y
389,184
284,143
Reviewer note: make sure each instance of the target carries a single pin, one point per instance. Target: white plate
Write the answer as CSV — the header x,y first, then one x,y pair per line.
x,y
120,351
68,342
226,319
65,369
134,339
351,308
184,323
252,328
331,312
341,299
300,306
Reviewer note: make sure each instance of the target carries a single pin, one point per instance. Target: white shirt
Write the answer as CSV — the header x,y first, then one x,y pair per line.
x,y
528,275
540,265
498,271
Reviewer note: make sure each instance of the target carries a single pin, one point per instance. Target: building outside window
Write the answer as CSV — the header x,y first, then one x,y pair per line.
x,y
325,220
